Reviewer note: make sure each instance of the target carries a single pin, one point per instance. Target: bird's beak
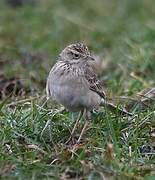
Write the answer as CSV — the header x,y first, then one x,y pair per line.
x,y
89,57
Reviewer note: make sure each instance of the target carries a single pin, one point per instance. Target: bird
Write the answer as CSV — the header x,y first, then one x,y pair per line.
x,y
73,83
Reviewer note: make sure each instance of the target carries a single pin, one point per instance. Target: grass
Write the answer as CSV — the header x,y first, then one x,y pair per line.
x,y
32,134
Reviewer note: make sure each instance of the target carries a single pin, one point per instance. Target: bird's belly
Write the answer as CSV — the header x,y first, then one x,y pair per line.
x,y
75,99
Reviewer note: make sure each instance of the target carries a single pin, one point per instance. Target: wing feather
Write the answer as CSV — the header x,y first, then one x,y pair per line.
x,y
94,83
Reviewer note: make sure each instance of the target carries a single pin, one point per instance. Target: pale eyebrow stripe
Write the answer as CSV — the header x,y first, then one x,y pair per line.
x,y
73,51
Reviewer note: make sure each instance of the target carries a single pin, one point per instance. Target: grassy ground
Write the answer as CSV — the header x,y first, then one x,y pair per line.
x,y
32,134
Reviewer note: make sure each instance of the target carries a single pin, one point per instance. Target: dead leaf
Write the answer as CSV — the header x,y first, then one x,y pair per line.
x,y
35,147
71,174
143,100
147,95
22,141
139,78
109,152
7,169
11,86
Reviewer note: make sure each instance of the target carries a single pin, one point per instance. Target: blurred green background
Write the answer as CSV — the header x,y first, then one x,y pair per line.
x,y
32,35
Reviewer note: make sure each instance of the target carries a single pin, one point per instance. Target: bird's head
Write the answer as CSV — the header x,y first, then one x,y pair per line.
x,y
76,53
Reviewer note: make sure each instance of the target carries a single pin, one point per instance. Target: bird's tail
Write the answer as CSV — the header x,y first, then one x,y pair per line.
x,y
114,108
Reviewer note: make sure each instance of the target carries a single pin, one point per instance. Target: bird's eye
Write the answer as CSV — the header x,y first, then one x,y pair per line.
x,y
76,56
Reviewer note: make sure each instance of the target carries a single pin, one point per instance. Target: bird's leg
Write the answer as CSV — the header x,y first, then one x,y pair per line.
x,y
76,123
87,116
75,126
83,131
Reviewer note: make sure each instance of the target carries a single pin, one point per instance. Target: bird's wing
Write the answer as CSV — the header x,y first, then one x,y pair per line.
x,y
96,86
94,83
